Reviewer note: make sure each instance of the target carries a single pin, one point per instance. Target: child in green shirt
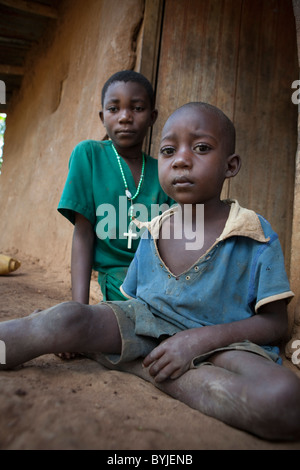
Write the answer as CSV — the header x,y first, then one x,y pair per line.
x,y
106,179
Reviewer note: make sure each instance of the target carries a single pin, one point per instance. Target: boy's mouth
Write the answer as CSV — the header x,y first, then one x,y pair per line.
x,y
124,131
181,181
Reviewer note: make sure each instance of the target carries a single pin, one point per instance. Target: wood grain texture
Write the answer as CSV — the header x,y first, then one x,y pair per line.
x,y
240,55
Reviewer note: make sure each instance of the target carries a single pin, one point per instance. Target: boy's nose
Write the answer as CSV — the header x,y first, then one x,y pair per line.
x,y
182,159
125,115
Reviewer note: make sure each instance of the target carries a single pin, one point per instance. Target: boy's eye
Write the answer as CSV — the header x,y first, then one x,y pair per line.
x,y
139,109
202,148
167,151
112,109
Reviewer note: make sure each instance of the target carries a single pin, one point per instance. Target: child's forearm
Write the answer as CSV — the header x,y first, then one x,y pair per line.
x,y
266,327
81,264
80,275
179,350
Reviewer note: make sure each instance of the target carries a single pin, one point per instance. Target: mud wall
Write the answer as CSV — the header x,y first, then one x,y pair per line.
x,y
56,108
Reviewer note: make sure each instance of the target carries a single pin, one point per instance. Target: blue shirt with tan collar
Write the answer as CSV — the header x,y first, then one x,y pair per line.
x,y
242,271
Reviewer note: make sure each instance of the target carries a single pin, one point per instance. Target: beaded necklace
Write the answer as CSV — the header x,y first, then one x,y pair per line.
x,y
130,234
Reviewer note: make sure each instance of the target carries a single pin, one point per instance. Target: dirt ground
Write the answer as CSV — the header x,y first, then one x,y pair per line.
x,y
50,404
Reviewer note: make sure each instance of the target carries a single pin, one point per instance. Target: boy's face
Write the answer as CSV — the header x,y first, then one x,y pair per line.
x,y
192,160
127,114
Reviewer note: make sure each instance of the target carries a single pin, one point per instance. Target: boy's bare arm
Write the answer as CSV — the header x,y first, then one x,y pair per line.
x,y
173,357
81,265
82,259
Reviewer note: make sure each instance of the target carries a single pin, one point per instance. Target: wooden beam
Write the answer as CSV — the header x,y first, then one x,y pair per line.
x,y
151,39
30,7
15,42
153,17
11,69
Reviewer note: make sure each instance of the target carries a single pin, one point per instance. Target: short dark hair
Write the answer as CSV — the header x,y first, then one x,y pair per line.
x,y
227,125
129,76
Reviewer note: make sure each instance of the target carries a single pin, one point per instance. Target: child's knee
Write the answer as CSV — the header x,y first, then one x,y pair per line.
x,y
280,408
70,315
289,395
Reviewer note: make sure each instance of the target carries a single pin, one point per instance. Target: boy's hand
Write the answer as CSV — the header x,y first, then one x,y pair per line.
x,y
173,356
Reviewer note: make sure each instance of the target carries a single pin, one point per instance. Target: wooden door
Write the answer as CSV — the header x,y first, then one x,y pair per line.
x,y
240,55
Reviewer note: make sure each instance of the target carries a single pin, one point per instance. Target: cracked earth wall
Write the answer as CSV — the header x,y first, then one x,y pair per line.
x,y
57,107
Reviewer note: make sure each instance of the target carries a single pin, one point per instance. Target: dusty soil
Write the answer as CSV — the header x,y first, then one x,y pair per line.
x,y
50,404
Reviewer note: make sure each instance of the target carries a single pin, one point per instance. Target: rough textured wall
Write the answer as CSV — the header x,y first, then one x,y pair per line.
x,y
294,312
56,108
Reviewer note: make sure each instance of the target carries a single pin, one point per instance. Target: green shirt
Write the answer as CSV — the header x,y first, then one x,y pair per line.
x,y
95,189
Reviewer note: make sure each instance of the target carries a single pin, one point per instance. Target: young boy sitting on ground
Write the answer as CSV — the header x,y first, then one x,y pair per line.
x,y
208,293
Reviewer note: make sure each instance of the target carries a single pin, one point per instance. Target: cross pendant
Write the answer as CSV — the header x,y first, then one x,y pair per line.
x,y
130,234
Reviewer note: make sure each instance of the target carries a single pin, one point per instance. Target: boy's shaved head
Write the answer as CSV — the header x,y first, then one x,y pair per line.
x,y
130,76
226,125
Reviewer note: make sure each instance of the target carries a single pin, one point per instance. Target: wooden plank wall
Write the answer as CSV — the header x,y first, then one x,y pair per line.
x,y
241,56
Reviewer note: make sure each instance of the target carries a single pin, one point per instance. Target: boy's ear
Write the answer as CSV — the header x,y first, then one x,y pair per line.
x,y
101,116
233,165
154,115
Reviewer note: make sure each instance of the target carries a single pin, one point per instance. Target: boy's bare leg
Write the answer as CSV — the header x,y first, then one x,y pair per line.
x,y
241,389
69,326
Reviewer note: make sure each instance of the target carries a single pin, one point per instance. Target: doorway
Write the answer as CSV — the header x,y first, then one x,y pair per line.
x,y
240,55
